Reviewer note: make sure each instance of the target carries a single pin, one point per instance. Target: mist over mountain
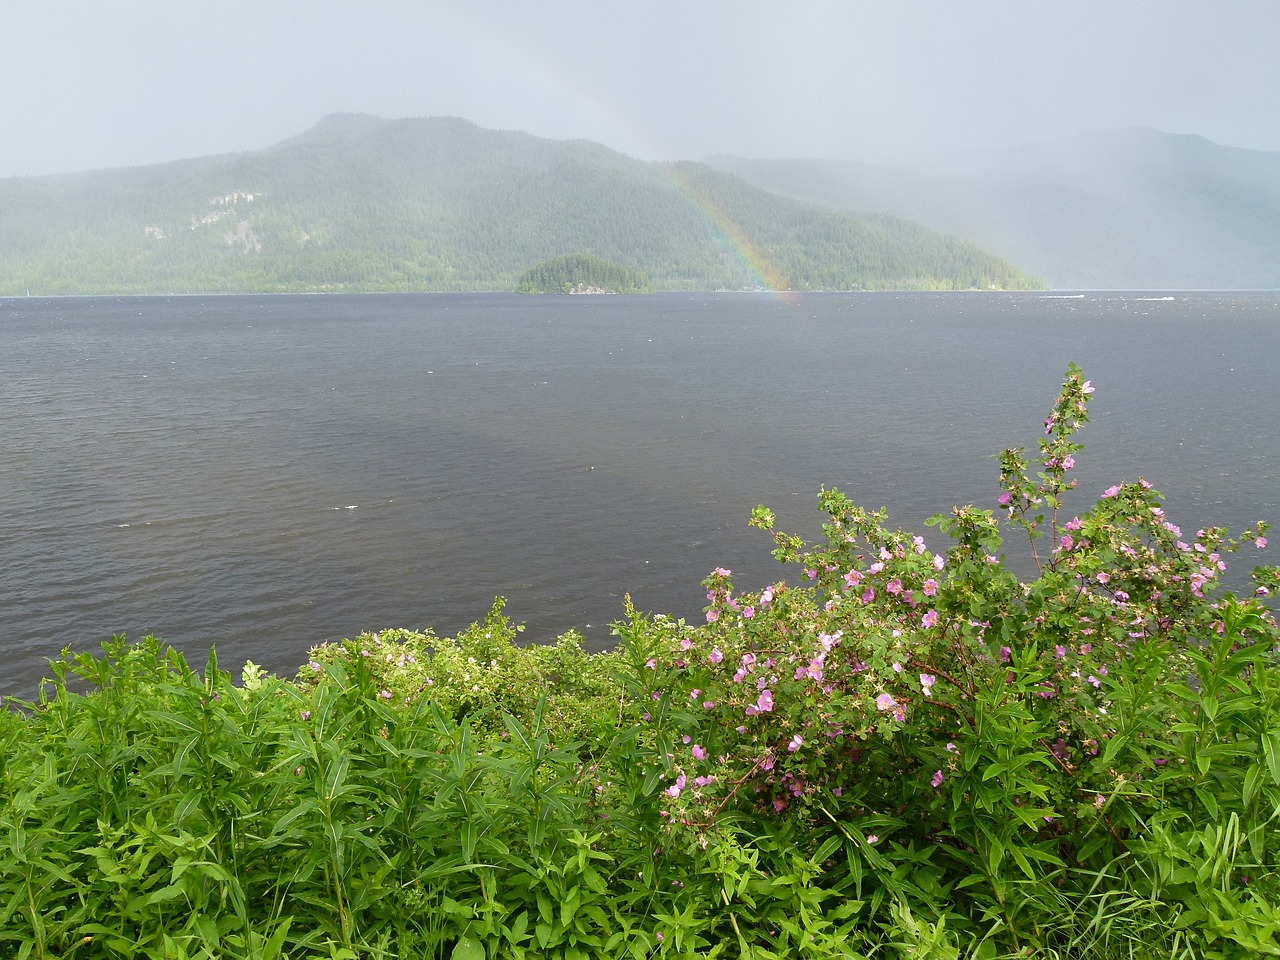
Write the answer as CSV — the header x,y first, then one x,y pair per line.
x,y
1132,209
359,203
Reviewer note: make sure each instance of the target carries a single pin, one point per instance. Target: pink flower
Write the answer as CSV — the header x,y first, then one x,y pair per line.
x,y
1088,387
815,669
722,572
930,619
937,779
885,701
927,680
715,656
930,587
713,615
938,561
748,612
766,596
894,586
872,839
1260,543
699,752
1110,492
868,595
1099,801
795,743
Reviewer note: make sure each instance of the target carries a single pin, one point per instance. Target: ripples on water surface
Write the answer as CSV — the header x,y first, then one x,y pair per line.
x,y
269,472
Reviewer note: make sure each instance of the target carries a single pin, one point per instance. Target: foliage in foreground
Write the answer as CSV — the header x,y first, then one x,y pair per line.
x,y
906,753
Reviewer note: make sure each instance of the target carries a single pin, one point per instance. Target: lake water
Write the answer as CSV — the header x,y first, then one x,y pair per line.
x,y
264,473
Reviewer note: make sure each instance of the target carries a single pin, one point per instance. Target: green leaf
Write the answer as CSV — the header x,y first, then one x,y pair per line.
x,y
1271,748
544,934
518,733
468,949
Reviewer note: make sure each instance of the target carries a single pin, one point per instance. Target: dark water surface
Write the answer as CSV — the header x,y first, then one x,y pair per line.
x,y
264,473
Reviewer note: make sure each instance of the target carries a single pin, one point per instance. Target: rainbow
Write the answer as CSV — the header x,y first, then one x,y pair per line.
x,y
753,258
756,263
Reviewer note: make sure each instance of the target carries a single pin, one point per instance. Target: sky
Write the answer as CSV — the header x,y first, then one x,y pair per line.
x,y
87,84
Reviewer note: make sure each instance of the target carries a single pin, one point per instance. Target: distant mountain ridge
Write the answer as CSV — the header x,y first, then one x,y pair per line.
x,y
359,203
1130,209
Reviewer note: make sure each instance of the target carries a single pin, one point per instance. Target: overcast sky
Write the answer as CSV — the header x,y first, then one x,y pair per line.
x,y
86,84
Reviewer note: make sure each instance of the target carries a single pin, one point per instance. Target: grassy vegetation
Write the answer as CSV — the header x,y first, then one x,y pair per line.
x,y
903,753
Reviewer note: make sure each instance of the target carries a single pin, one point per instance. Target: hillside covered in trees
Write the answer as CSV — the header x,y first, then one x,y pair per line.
x,y
1130,209
359,203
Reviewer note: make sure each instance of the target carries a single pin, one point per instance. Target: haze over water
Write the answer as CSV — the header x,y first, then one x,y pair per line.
x,y
264,473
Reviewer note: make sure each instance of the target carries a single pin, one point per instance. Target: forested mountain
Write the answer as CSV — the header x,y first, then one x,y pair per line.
x,y
1130,209
360,203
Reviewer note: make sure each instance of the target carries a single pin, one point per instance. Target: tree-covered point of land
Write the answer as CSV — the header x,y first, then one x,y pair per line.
x,y
583,273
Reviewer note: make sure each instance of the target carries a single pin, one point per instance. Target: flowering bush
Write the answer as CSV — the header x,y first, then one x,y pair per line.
x,y
482,673
1017,741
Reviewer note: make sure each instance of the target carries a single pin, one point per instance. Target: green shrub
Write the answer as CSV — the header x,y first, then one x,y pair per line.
x,y
908,752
